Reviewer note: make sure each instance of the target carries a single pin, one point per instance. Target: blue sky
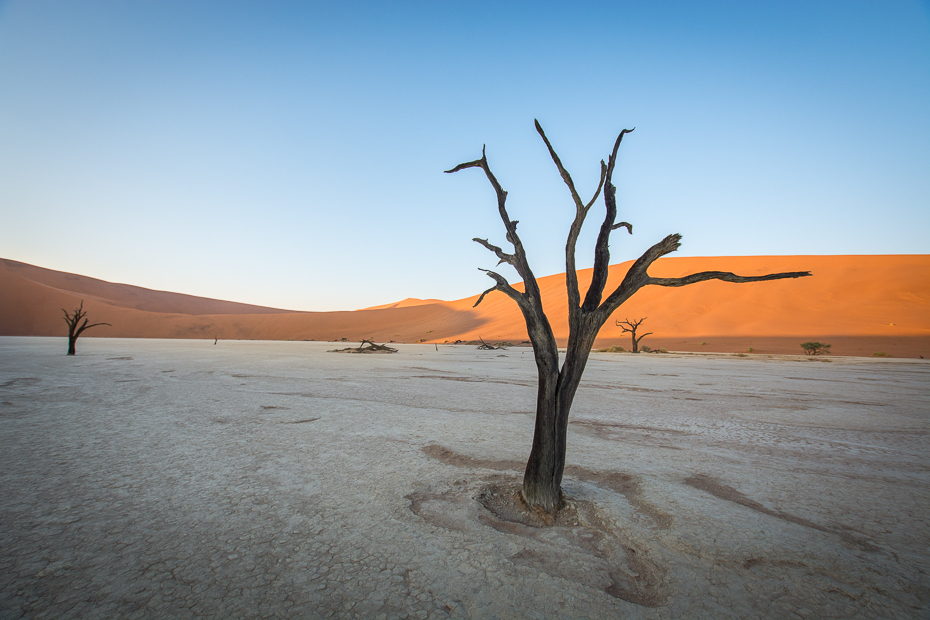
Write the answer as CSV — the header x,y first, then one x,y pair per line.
x,y
290,154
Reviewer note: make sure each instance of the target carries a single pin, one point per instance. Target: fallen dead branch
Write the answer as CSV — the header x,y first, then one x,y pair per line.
x,y
371,348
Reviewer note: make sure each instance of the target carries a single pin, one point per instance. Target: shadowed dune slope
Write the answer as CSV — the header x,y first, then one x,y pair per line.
x,y
125,295
879,302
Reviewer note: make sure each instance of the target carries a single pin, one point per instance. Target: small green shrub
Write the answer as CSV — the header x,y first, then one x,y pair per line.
x,y
749,350
815,348
645,349
880,354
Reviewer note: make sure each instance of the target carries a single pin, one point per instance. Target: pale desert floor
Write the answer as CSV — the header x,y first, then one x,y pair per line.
x,y
146,479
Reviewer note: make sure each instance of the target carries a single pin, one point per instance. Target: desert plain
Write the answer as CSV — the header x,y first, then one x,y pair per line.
x,y
178,478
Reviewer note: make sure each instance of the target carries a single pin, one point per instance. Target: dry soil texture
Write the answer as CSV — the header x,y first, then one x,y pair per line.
x,y
254,479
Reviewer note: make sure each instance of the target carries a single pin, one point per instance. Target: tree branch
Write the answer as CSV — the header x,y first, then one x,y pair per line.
x,y
480,299
600,186
637,276
518,258
725,276
505,258
566,177
602,247
482,163
504,287
86,326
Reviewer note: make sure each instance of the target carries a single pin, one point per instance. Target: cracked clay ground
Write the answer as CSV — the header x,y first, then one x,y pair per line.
x,y
156,479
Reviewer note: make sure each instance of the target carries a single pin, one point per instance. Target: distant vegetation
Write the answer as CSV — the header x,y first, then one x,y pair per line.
x,y
815,348
880,354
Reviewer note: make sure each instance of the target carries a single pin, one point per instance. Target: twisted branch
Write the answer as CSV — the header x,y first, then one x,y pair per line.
x,y
531,297
726,276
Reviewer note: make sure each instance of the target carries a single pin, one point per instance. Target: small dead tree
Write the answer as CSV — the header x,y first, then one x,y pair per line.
x,y
631,326
556,390
74,331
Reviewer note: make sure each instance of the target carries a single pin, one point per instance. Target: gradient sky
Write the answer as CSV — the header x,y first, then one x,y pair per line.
x,y
290,154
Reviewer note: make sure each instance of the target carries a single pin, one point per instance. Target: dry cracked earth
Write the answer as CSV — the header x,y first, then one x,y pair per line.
x,y
150,479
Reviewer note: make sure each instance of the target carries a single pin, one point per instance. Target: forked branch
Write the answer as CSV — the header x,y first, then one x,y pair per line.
x,y
638,277
73,318
482,163
581,212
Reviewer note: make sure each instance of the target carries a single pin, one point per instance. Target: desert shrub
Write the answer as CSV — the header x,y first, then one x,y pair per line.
x,y
645,349
815,348
880,354
616,348
749,350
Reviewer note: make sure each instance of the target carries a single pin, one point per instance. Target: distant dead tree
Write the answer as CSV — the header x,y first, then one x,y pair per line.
x,y
371,348
631,326
556,390
72,319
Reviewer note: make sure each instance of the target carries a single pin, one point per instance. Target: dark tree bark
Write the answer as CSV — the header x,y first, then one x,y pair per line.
x,y
631,326
74,331
557,386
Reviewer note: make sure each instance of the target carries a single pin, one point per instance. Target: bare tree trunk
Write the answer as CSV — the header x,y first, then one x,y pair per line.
x,y
542,480
556,390
72,340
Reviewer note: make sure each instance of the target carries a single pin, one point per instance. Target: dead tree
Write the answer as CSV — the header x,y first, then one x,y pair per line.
x,y
556,391
371,348
72,319
631,326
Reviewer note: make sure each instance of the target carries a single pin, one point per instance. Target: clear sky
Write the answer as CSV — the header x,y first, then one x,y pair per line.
x,y
290,154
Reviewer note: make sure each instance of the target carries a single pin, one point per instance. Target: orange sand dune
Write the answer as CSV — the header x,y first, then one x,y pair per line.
x,y
860,304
